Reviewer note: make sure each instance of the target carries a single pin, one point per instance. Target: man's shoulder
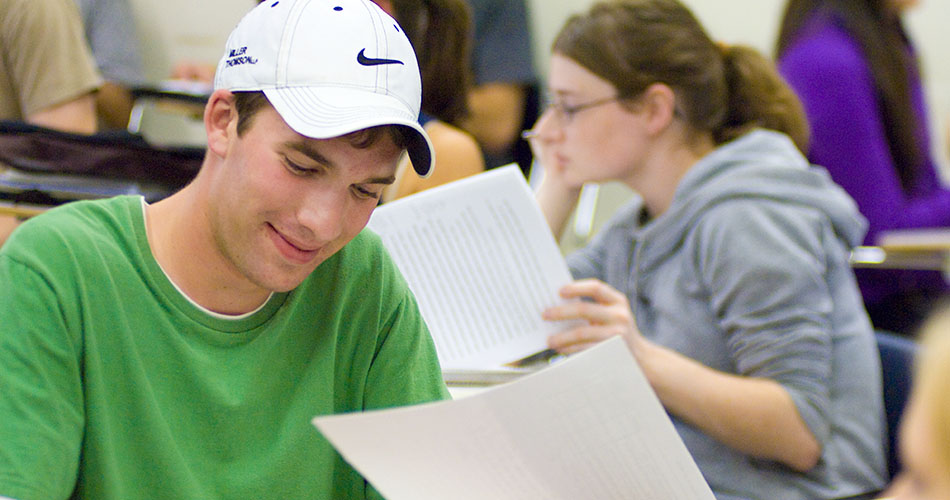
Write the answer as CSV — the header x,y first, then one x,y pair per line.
x,y
366,244
71,226
82,213
363,262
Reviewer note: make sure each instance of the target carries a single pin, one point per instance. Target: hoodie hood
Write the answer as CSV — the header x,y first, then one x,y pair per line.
x,y
764,165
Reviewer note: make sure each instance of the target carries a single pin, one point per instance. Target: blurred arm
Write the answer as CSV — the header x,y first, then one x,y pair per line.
x,y
756,416
77,115
497,111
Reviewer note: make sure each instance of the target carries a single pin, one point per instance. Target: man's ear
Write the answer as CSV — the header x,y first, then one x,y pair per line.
x,y
659,104
220,121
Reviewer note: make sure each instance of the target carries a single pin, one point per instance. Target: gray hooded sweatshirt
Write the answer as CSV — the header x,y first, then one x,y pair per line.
x,y
747,272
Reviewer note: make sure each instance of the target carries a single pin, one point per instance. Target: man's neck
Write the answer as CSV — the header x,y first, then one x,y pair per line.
x,y
181,242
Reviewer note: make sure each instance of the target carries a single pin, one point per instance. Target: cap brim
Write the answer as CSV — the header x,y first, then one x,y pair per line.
x,y
324,113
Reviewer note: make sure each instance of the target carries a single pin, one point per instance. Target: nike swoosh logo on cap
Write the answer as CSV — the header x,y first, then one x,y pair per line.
x,y
369,61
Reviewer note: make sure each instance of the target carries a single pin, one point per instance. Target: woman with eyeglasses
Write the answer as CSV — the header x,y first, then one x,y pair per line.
x,y
728,276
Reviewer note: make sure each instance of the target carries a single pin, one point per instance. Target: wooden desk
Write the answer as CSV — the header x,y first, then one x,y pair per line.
x,y
882,258
21,210
922,249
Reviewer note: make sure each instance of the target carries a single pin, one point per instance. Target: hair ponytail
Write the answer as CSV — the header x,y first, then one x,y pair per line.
x,y
758,97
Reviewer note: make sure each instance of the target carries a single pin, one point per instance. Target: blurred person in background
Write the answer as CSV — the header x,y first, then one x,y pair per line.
x,y
439,32
504,99
925,428
857,74
47,74
112,36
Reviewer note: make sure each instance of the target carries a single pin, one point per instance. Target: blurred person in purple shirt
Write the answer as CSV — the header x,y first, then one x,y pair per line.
x,y
857,74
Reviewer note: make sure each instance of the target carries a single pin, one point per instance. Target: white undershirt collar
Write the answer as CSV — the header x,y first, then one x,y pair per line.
x,y
202,308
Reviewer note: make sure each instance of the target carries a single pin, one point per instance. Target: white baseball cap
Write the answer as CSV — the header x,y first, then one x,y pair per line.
x,y
329,67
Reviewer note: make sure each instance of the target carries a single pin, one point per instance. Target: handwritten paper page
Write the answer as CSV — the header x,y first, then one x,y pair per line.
x,y
482,263
587,427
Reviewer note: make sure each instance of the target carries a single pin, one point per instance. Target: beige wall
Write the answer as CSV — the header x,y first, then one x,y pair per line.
x,y
176,30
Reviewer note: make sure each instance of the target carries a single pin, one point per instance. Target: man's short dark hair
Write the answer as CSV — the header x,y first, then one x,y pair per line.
x,y
248,103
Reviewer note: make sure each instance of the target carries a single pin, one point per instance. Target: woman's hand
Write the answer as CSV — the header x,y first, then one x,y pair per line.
x,y
606,314
544,140
555,195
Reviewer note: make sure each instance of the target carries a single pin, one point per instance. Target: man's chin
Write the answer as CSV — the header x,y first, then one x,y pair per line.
x,y
286,281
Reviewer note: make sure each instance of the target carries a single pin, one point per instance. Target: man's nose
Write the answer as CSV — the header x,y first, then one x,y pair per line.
x,y
323,213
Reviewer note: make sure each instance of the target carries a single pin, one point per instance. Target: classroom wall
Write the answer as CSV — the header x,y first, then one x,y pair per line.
x,y
176,30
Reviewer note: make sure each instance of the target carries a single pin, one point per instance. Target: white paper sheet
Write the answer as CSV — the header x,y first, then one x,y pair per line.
x,y
482,263
587,427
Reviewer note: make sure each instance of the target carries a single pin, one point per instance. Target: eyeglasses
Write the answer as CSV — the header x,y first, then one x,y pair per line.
x,y
565,114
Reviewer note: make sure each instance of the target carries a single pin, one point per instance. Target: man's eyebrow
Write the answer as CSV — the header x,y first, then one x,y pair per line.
x,y
311,152
382,180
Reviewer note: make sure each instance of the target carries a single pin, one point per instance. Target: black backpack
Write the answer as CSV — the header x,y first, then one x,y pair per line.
x,y
50,167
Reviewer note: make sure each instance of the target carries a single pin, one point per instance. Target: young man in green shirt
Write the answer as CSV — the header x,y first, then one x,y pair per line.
x,y
180,349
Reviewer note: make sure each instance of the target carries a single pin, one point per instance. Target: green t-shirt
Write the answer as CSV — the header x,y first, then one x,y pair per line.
x,y
113,385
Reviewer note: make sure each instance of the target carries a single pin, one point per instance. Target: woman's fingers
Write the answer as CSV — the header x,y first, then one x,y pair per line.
x,y
588,311
581,337
594,289
606,313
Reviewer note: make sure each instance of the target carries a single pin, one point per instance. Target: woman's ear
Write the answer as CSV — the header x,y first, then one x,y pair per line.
x,y
659,104
219,117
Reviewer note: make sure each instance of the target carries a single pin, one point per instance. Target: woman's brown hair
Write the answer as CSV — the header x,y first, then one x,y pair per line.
x,y
440,33
725,90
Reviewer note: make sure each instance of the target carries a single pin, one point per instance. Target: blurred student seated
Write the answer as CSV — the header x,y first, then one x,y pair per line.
x,y
856,72
503,99
112,36
47,74
439,32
